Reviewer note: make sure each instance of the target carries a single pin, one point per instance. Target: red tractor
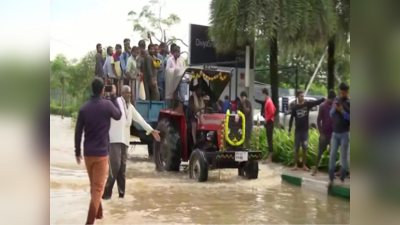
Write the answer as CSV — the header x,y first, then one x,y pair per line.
x,y
219,136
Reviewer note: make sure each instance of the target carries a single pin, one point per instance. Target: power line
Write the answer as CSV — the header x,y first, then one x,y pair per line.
x,y
60,42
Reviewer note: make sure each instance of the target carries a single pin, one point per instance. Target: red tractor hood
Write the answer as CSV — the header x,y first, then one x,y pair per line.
x,y
211,122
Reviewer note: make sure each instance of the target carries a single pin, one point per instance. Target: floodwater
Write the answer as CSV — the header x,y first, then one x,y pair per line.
x,y
172,198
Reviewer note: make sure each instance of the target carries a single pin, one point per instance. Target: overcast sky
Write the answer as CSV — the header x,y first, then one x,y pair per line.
x,y
76,26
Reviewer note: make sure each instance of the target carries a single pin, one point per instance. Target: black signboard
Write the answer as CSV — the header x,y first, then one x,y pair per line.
x,y
285,104
202,50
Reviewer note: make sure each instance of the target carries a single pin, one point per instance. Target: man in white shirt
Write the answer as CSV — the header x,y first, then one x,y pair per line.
x,y
119,142
177,62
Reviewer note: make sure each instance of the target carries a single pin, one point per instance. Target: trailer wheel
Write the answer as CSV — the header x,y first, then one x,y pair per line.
x,y
251,170
167,152
198,166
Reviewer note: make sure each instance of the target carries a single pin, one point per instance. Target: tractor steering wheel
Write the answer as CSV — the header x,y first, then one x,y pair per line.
x,y
200,111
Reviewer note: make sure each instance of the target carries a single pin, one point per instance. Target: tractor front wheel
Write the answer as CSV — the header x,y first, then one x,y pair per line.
x,y
198,166
250,170
167,152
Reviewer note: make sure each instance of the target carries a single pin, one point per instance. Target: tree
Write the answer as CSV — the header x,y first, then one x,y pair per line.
x,y
59,77
82,74
342,9
147,22
279,22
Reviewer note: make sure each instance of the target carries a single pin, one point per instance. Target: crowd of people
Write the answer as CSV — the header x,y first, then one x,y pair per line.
x,y
132,65
333,124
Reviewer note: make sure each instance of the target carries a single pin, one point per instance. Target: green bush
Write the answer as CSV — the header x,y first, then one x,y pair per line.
x,y
284,148
57,110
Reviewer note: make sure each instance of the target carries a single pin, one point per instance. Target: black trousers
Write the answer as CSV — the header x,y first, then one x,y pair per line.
x,y
118,156
269,126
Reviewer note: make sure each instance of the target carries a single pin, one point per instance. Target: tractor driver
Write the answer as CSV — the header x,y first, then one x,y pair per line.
x,y
196,103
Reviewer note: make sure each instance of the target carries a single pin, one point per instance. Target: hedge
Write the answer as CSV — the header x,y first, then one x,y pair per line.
x,y
57,110
284,148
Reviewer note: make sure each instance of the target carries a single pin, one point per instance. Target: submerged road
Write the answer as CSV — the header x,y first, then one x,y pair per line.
x,y
172,198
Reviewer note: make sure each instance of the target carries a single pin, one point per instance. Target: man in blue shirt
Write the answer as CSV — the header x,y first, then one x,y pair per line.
x,y
125,56
160,49
225,105
340,113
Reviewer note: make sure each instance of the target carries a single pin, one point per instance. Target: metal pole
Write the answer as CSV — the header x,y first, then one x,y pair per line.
x,y
247,73
230,95
315,72
297,83
236,92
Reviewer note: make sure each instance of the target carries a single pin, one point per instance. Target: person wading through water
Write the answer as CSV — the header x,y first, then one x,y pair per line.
x,y
94,120
119,142
300,112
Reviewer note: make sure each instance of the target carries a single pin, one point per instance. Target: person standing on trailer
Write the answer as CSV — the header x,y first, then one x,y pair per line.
x,y
107,68
150,74
177,62
124,59
99,72
132,72
140,63
116,66
161,72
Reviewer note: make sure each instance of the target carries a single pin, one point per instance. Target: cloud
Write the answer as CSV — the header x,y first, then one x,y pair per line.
x,y
77,33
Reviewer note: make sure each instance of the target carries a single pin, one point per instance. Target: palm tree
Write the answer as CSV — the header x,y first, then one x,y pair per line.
x,y
291,23
342,8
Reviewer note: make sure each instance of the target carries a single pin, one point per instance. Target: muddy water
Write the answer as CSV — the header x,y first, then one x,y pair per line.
x,y
173,198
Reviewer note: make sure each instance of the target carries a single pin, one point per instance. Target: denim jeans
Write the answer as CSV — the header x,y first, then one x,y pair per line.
x,y
161,86
182,90
341,140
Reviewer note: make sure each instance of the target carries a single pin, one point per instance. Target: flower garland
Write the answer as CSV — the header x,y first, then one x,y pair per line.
x,y
201,74
157,63
235,142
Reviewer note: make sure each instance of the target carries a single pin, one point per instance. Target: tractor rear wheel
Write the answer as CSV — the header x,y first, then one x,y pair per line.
x,y
250,170
198,166
167,152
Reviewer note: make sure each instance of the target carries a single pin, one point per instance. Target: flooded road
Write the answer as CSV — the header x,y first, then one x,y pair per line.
x,y
172,198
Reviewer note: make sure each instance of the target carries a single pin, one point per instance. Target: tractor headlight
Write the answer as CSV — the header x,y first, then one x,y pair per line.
x,y
229,131
210,135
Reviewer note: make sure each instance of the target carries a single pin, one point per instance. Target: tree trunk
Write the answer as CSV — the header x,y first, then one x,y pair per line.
x,y
331,64
274,77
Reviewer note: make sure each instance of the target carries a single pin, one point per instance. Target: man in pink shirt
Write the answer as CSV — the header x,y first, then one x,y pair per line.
x,y
177,62
269,113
